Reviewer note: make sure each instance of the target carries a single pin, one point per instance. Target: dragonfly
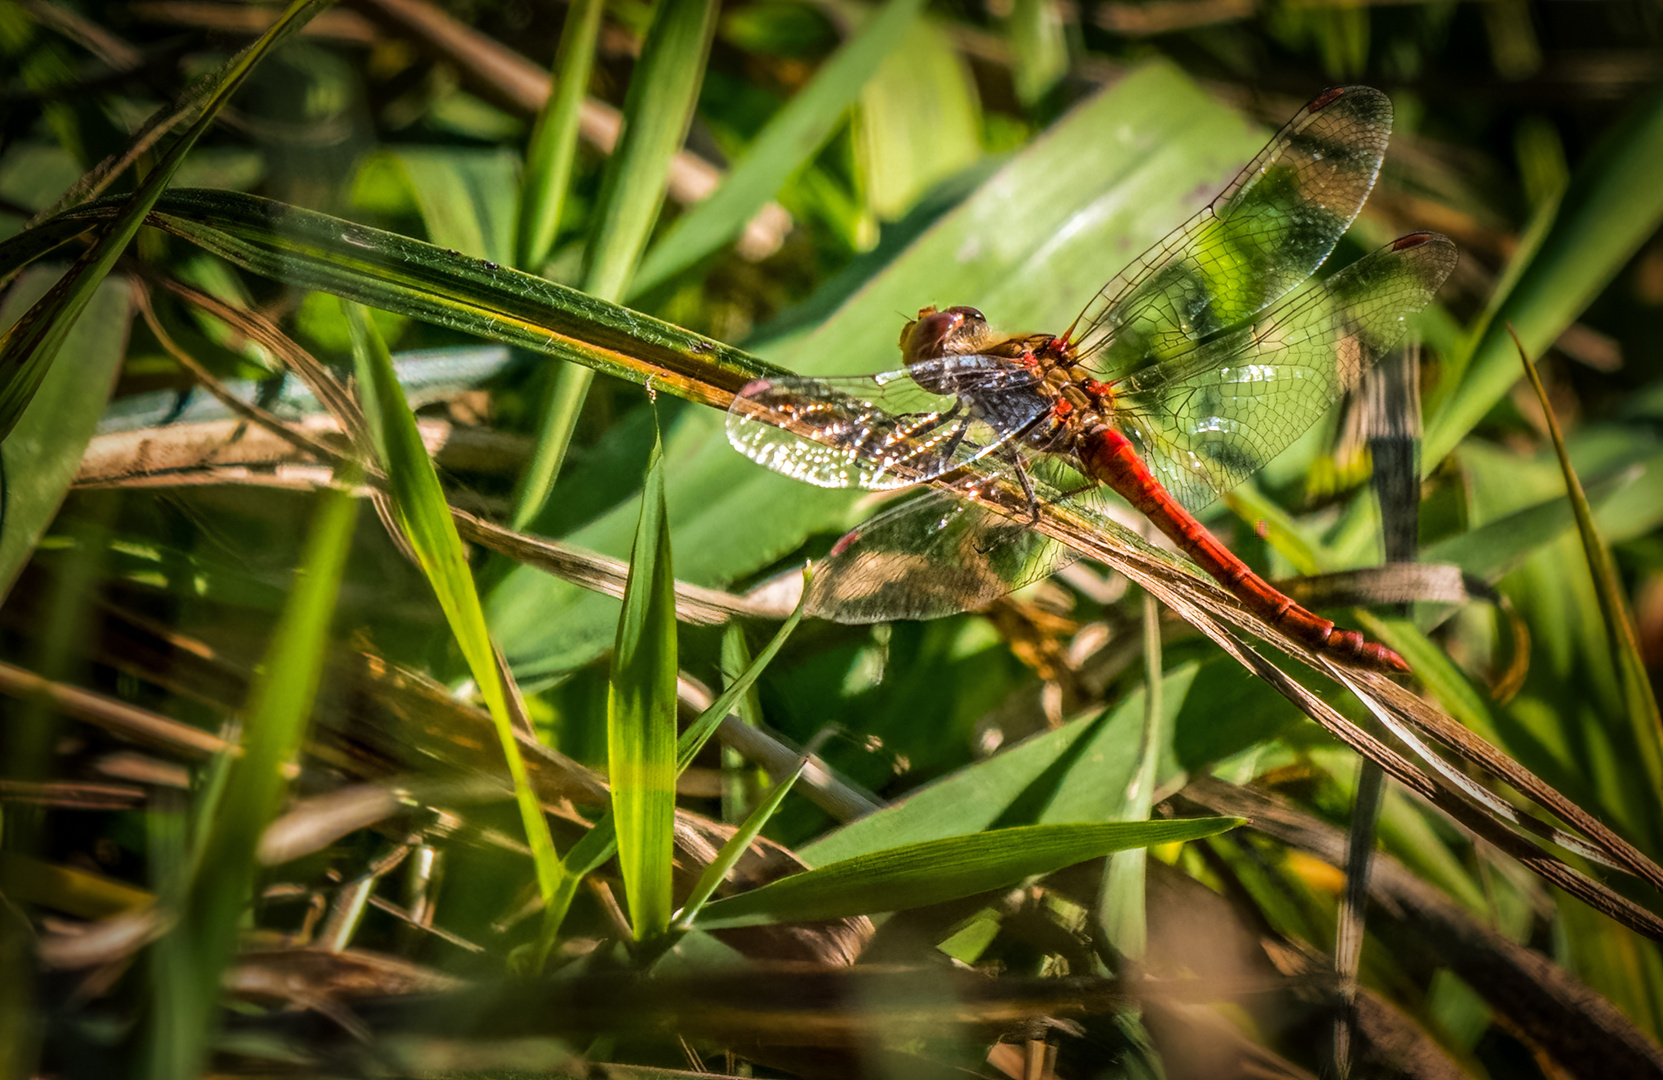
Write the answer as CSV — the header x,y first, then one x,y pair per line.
x,y
1189,371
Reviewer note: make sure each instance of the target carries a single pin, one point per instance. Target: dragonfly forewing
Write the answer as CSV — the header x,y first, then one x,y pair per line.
x,y
1205,421
1265,233
885,431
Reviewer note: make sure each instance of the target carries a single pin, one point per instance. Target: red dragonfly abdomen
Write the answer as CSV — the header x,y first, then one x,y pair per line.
x,y
1109,458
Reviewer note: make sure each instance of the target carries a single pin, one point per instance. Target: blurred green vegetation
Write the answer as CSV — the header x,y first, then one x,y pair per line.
x,y
785,182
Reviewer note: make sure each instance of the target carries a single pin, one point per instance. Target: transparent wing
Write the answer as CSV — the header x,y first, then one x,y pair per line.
x,y
935,554
889,430
1205,421
1267,232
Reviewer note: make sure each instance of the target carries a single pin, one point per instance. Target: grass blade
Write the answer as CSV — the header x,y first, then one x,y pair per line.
x,y
41,454
1039,48
548,160
279,704
424,516
936,871
789,141
1123,915
731,851
657,111
1613,205
29,347
641,716
599,843
1641,705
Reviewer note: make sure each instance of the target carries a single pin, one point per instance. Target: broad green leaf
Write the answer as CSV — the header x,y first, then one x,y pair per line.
x,y
280,703
548,160
29,346
1079,772
936,871
38,459
790,140
1613,205
424,516
641,717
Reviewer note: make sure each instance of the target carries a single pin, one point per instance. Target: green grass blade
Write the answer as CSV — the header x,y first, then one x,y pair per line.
x,y
599,843
735,848
1039,48
936,871
548,160
700,730
641,716
1641,706
410,277
28,348
279,705
424,516
919,121
789,141
657,111
1122,914
42,452
463,196
741,784
1613,205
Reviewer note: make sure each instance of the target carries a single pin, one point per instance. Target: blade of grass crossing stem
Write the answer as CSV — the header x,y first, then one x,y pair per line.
x,y
700,730
1123,917
29,347
599,843
641,715
279,704
657,111
1641,705
794,135
740,782
424,516
729,856
548,160
935,871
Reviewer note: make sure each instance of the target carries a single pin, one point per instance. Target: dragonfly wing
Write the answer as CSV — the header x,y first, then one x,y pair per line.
x,y
1267,232
935,554
889,430
1207,420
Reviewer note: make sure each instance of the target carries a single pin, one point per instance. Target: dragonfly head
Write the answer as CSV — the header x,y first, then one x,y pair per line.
x,y
957,331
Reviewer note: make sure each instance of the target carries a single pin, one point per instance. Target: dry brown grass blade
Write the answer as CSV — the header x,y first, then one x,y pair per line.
x,y
1203,604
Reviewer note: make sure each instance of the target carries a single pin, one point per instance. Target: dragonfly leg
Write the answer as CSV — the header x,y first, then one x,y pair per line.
x,y
1021,472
